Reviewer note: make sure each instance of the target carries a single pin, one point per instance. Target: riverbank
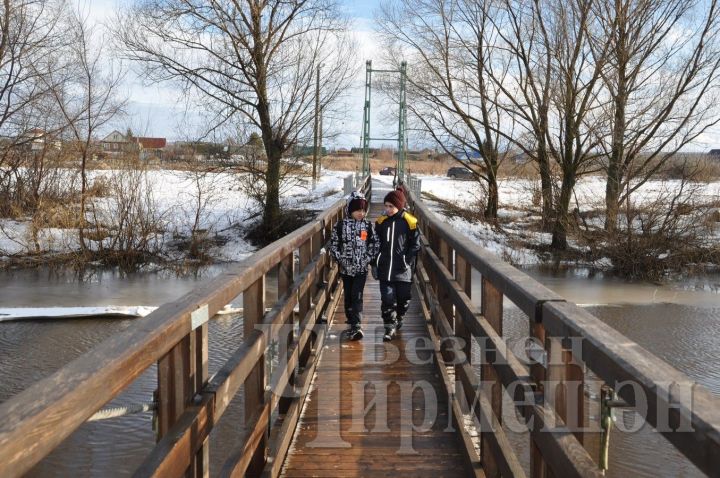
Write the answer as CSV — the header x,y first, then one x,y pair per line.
x,y
173,217
518,238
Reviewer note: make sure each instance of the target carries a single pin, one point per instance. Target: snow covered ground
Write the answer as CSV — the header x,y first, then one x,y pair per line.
x,y
518,193
225,210
517,210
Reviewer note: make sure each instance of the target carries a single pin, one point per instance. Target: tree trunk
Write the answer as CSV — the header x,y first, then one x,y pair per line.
x,y
271,213
273,151
545,187
559,233
83,192
491,209
543,158
616,169
491,155
612,196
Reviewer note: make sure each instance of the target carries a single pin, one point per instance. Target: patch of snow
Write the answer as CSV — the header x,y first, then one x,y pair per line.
x,y
20,313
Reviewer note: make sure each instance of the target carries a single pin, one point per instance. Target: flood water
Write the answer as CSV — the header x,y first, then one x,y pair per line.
x,y
678,322
33,349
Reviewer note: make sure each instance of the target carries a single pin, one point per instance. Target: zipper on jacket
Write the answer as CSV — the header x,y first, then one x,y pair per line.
x,y
392,241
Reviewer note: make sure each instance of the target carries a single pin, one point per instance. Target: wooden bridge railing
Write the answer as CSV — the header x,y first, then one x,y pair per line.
x,y
190,402
546,384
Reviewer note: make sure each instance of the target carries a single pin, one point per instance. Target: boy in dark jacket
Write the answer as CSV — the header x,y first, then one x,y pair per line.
x,y
399,245
354,244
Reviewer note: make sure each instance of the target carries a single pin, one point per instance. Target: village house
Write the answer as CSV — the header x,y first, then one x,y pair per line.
x,y
115,144
147,148
151,148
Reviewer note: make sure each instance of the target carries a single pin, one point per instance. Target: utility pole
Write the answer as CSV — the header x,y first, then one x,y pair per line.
x,y
320,134
317,126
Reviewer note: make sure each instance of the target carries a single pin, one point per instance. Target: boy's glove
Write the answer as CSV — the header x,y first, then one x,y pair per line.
x,y
374,272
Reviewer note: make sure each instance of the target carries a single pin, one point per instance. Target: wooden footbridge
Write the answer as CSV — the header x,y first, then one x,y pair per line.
x,y
429,403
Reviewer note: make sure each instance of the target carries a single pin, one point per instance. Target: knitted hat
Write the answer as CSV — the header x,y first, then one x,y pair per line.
x,y
396,198
356,202
357,205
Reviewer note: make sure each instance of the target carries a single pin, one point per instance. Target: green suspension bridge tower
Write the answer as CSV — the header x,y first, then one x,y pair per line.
x,y
402,121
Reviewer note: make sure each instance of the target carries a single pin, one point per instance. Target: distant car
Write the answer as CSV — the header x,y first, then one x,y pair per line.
x,y
460,173
388,171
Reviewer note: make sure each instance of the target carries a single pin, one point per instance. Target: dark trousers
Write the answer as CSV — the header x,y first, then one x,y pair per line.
x,y
394,300
353,287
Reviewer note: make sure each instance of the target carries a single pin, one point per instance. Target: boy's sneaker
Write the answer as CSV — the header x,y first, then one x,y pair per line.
x,y
399,323
355,333
389,333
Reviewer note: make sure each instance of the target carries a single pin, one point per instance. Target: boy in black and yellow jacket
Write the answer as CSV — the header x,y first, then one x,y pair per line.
x,y
395,265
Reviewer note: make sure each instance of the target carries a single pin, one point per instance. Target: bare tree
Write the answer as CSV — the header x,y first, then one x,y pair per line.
x,y
575,98
31,39
251,62
661,74
129,223
451,50
86,95
205,187
554,93
523,33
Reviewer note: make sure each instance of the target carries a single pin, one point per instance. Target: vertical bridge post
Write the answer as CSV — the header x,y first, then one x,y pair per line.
x,y
182,373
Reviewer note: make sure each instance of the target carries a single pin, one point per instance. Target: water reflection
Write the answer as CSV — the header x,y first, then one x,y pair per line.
x,y
34,349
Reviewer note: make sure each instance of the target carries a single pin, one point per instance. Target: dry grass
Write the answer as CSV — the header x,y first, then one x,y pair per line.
x,y
431,167
435,167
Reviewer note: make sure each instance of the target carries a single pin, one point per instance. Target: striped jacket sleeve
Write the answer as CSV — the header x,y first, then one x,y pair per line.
x,y
335,251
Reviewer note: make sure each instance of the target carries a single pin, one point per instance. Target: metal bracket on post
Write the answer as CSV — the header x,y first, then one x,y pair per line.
x,y
414,185
348,186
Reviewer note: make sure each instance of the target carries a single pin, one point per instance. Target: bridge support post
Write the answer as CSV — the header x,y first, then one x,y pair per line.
x,y
492,310
445,254
182,373
565,376
253,311
463,276
286,276
202,458
538,467
304,299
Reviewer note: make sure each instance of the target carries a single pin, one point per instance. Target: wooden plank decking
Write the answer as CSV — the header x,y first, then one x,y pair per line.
x,y
335,439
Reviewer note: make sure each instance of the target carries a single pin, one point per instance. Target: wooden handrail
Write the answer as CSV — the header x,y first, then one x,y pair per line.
x,y
38,419
520,288
614,358
609,354
510,371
